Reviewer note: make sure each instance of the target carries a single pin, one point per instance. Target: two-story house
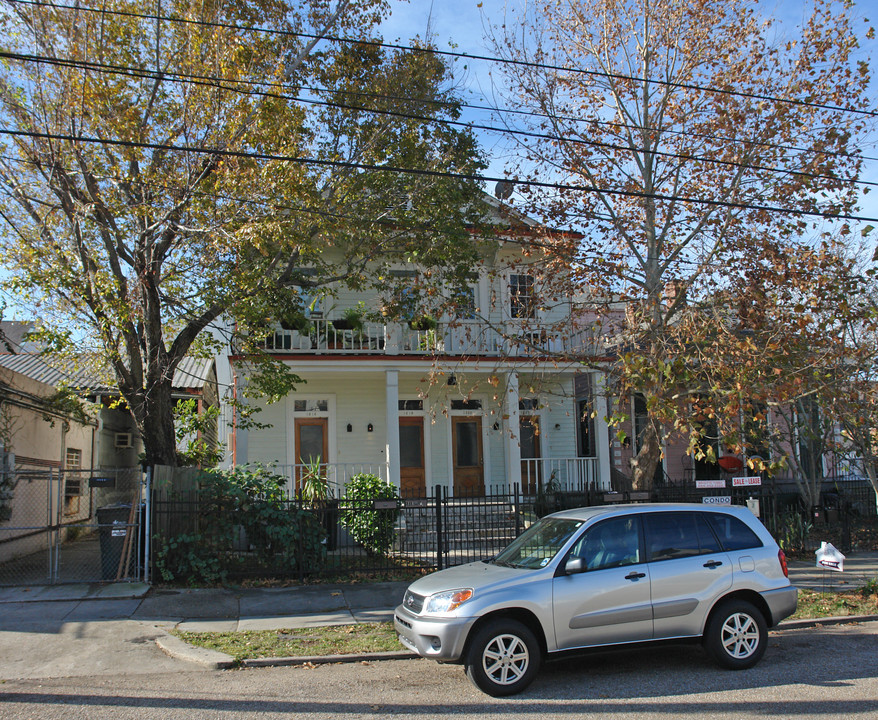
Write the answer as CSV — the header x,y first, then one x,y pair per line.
x,y
477,402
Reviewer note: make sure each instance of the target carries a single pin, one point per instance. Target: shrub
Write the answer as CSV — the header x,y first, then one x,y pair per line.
x,y
187,557
373,529
282,536
792,532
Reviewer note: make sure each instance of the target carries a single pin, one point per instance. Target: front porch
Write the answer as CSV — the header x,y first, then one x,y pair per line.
x,y
482,432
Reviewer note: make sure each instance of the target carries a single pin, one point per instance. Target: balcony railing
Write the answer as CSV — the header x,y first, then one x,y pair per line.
x,y
561,474
456,339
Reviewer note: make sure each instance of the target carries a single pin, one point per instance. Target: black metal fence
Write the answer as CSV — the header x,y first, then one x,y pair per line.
x,y
202,541
194,540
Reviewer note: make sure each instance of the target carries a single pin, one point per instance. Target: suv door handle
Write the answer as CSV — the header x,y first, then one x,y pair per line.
x,y
713,564
635,576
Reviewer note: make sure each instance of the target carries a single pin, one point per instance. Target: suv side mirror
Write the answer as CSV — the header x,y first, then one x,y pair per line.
x,y
574,566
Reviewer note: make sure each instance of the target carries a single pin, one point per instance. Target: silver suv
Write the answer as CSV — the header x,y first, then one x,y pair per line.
x,y
604,576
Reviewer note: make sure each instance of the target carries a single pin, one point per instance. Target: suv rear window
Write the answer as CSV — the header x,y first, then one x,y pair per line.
x,y
733,533
678,534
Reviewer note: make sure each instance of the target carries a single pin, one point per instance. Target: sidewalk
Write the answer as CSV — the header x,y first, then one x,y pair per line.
x,y
223,610
859,569
203,610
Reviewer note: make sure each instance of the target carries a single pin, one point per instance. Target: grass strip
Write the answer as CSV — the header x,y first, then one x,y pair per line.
x,y
294,642
381,637
814,604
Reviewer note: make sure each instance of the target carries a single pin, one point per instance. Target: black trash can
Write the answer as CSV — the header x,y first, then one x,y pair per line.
x,y
112,528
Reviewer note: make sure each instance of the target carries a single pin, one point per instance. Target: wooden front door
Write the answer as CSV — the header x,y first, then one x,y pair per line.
x,y
531,468
412,476
312,443
466,447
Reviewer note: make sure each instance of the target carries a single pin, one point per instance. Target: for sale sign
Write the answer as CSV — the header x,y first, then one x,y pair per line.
x,y
709,484
746,481
717,500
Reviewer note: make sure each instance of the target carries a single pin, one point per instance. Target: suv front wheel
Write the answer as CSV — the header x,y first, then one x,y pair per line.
x,y
503,658
736,635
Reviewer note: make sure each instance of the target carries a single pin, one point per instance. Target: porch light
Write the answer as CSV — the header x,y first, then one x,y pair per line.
x,y
452,379
350,428
369,427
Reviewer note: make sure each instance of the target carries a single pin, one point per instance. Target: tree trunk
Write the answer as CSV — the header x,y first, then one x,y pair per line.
x,y
644,464
153,410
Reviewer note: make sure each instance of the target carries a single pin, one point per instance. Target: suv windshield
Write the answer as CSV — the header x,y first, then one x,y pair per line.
x,y
537,545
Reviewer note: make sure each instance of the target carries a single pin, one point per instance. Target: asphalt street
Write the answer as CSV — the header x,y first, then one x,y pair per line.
x,y
823,672
91,652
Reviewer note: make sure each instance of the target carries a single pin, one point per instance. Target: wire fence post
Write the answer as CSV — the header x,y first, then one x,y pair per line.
x,y
147,520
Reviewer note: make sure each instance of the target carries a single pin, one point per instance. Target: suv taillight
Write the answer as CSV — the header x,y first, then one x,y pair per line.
x,y
783,563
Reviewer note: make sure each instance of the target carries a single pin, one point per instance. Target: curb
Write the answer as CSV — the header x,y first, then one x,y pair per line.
x,y
817,622
327,659
177,648
215,660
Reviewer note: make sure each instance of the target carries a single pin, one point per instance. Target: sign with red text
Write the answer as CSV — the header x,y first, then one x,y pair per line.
x,y
746,481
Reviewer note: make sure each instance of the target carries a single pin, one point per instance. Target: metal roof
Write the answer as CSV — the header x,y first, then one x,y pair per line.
x,y
191,373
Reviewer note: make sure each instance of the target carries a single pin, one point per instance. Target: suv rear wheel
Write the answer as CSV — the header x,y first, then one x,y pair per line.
x,y
503,658
736,635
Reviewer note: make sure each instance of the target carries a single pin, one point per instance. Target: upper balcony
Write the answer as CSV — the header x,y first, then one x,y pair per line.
x,y
461,338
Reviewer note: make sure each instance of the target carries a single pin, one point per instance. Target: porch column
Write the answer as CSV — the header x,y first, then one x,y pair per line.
x,y
601,430
512,441
392,447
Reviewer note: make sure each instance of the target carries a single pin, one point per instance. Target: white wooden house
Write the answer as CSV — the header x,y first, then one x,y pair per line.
x,y
483,402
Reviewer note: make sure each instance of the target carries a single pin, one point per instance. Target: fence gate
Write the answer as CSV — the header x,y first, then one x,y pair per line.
x,y
71,526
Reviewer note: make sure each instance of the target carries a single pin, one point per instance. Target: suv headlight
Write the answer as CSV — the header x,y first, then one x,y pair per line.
x,y
448,601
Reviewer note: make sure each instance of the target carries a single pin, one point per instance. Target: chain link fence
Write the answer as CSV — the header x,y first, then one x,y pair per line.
x,y
71,526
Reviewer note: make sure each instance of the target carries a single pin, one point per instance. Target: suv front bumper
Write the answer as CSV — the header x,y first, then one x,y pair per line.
x,y
439,638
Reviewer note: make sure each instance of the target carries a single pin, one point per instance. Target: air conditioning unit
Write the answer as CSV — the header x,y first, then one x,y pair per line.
x,y
123,441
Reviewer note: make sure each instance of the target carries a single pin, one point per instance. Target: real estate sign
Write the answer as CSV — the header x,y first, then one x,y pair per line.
x,y
717,500
746,481
709,484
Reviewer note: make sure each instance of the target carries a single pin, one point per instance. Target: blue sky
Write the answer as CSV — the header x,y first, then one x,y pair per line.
x,y
461,22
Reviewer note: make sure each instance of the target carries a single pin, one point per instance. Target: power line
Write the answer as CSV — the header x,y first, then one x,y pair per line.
x,y
592,255
211,81
448,53
423,172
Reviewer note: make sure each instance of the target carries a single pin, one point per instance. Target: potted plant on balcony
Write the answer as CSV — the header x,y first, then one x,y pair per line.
x,y
351,319
423,322
296,320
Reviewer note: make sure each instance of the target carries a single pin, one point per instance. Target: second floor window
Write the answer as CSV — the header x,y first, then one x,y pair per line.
x,y
73,459
522,298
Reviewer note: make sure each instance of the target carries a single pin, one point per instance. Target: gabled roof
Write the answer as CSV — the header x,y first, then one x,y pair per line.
x,y
193,373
